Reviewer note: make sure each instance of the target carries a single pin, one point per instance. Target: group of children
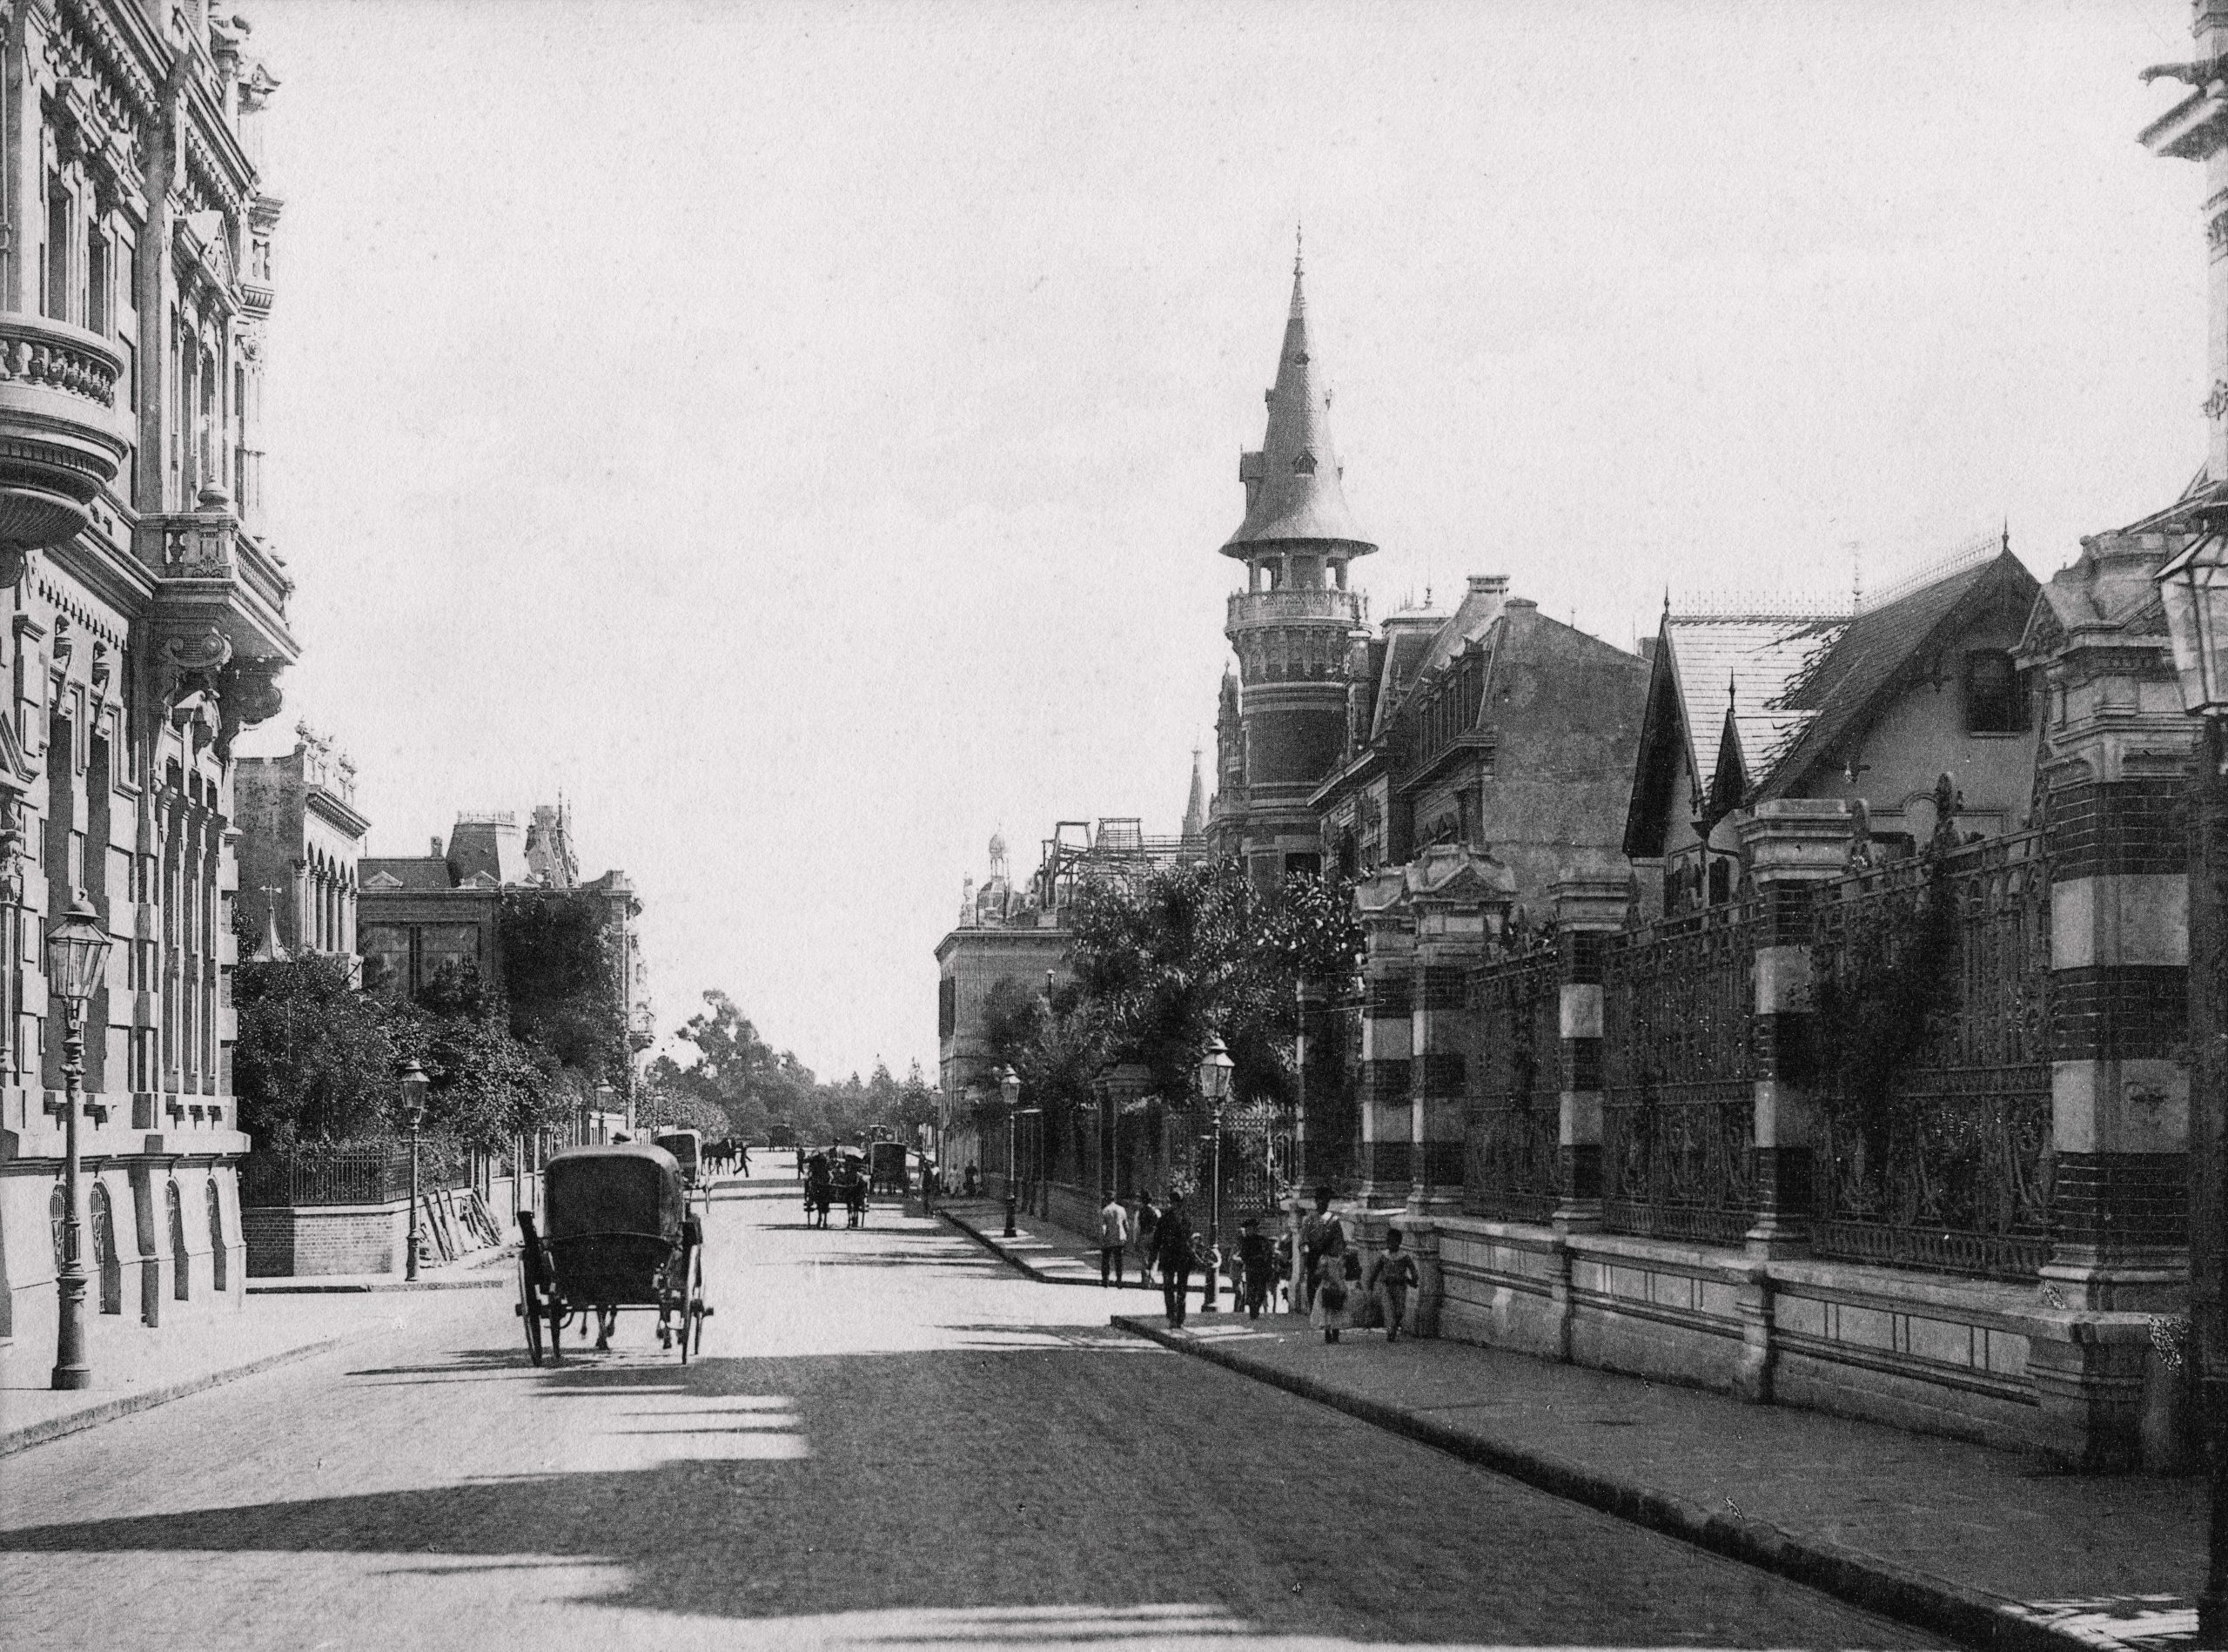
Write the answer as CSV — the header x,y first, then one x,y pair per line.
x,y
1257,1268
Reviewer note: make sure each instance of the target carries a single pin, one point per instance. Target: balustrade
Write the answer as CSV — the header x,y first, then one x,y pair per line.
x,y
1286,606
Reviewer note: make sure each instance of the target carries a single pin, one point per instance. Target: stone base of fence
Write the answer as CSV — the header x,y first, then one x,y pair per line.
x,y
306,1241
1974,1359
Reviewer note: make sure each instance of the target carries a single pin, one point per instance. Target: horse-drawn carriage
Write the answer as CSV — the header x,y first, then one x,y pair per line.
x,y
687,1147
616,1234
832,1177
887,1172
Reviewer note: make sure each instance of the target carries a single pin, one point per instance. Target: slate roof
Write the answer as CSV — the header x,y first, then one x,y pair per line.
x,y
1299,499
1785,689
418,875
1869,657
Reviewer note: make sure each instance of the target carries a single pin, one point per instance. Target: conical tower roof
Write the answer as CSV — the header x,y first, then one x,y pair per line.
x,y
1195,810
1296,498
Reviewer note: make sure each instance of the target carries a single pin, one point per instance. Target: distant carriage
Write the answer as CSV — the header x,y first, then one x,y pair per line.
x,y
616,1233
687,1147
836,1177
887,1175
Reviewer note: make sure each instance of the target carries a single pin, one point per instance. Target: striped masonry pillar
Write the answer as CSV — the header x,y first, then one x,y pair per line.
x,y
1587,912
1790,848
1461,903
1387,978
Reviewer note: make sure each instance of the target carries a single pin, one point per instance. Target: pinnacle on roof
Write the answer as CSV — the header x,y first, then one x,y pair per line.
x,y
1294,495
1195,809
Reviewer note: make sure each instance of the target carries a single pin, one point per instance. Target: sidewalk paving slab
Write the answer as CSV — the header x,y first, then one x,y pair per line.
x,y
1043,1250
483,1269
1983,1546
137,1367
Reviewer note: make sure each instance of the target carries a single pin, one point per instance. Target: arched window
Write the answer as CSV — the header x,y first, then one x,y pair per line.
x,y
216,1252
181,1262
110,1266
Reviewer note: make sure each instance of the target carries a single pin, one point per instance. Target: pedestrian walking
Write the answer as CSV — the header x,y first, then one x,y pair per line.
x,y
1328,1288
1257,1263
1113,1235
1321,1234
1392,1276
1171,1250
1147,1223
743,1157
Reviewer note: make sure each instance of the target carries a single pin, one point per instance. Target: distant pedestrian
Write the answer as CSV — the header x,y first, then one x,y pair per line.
x,y
1113,1235
743,1157
1148,1221
973,1185
1171,1250
1320,1235
1329,1290
1392,1276
1257,1262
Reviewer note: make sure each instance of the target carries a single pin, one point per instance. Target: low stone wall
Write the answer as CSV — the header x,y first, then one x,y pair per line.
x,y
1974,1359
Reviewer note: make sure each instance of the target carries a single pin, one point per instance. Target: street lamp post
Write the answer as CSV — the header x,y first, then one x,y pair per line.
x,y
1214,1086
1010,1092
76,952
2194,589
414,1084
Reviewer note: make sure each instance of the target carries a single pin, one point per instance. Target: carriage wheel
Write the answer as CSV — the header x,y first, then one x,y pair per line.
x,y
530,1310
691,1328
691,1300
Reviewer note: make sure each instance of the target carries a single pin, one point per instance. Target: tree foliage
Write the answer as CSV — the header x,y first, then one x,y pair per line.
x,y
731,1071
561,978
1161,962
314,1059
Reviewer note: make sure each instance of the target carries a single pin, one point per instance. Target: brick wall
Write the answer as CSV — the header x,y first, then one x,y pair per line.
x,y
309,1240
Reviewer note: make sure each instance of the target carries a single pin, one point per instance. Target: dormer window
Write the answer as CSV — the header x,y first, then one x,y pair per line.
x,y
1304,464
1996,695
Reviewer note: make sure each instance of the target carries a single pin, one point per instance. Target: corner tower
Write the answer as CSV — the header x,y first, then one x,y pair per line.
x,y
1291,627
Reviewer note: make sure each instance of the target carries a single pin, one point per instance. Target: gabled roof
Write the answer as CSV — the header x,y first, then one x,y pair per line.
x,y
1783,690
1873,652
1408,639
1296,498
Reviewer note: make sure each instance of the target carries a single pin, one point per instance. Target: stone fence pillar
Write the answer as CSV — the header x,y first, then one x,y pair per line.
x,y
1387,1030
1587,912
1460,906
1791,846
1118,1090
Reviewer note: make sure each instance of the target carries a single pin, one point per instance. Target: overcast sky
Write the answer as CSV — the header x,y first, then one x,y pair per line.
x,y
802,435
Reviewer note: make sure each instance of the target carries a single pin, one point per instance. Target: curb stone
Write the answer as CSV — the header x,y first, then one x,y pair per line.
x,y
1974,1617
37,1433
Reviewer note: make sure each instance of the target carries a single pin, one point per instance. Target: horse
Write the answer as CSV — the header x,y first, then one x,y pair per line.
x,y
817,1183
851,1182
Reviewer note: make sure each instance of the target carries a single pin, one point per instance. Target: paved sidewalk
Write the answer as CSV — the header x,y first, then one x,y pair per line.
x,y
1047,1251
135,1368
487,1268
1981,1545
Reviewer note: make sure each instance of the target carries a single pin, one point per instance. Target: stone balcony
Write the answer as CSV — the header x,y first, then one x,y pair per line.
x,y
1251,609
62,438
220,617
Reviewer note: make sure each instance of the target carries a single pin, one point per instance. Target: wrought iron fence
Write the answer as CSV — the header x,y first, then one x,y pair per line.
x,y
1510,1145
350,1172
1934,1147
1679,1104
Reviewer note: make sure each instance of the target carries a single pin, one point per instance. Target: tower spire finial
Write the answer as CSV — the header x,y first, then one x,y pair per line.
x,y
1298,246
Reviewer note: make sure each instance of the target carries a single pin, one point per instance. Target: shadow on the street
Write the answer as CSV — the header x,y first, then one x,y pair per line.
x,y
1009,1484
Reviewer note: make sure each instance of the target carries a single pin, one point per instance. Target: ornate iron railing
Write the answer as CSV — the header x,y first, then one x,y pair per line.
x,y
1937,1154
1679,1104
1510,1145
350,1172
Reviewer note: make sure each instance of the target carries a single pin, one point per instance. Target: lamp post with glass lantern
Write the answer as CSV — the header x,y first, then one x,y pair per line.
x,y
1010,1092
414,1084
1214,1088
2193,587
76,954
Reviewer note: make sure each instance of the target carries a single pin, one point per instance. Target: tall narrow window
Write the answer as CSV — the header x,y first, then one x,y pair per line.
x,y
99,316
56,277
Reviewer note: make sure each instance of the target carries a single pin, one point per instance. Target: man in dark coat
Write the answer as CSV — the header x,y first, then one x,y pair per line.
x,y
1172,1252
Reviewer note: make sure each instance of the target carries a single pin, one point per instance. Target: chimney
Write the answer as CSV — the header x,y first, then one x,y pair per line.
x,y
437,851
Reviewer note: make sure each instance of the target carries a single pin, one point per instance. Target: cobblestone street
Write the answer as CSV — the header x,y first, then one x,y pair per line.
x,y
890,1437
